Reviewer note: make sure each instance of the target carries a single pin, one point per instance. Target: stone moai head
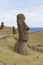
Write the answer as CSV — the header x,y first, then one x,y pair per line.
x,y
14,30
2,25
22,27
20,17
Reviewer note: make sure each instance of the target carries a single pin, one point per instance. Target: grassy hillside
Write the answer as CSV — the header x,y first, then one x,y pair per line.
x,y
9,57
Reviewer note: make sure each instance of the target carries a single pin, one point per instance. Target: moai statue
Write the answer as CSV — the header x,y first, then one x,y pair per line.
x,y
22,27
2,25
21,45
14,30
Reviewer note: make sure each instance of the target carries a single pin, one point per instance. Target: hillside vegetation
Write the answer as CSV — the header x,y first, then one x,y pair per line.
x,y
9,57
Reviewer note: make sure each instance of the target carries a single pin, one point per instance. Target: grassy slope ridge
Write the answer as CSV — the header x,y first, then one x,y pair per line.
x,y
11,58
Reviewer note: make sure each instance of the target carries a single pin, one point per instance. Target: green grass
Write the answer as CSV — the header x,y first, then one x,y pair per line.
x,y
12,58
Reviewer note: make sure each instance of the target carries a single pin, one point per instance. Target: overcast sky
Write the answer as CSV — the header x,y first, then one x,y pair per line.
x,y
32,9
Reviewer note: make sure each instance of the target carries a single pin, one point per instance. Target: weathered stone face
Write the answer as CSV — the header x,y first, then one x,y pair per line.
x,y
22,27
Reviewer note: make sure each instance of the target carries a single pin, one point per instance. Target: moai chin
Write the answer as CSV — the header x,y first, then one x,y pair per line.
x,y
22,27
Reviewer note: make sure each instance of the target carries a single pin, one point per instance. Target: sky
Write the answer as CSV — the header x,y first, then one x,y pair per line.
x,y
32,9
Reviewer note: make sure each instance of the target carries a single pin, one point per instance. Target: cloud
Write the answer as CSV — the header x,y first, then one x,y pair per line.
x,y
33,12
